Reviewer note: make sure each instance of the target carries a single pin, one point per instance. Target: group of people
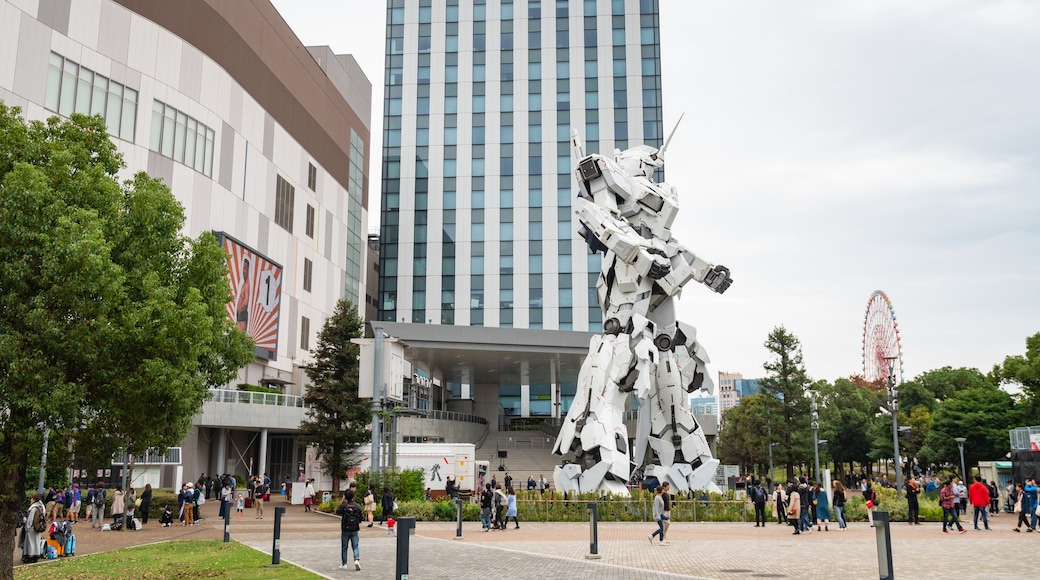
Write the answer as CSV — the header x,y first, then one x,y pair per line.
x,y
497,506
802,504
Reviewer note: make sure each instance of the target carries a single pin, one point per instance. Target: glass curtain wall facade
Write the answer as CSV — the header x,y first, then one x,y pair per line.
x,y
480,98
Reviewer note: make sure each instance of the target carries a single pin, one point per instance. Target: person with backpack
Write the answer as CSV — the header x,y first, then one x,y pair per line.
x,y
501,503
98,515
350,527
758,499
31,539
486,499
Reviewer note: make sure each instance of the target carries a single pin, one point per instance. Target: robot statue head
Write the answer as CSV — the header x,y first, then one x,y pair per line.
x,y
649,207
639,161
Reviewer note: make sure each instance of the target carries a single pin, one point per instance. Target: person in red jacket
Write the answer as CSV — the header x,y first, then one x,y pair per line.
x,y
978,495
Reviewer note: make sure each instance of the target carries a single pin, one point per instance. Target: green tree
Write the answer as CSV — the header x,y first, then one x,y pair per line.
x,y
787,380
982,415
845,416
112,323
338,420
1024,371
745,435
944,382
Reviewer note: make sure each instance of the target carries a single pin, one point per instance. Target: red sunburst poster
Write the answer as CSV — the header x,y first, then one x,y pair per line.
x,y
256,289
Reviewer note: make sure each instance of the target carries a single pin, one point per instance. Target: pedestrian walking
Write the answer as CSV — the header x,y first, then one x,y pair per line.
x,y
794,502
487,498
660,517
1026,505
350,527
511,508
871,501
978,495
948,500
308,495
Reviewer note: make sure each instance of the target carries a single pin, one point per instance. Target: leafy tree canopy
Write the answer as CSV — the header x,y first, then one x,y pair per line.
x,y
1024,371
338,421
944,382
112,323
982,415
846,411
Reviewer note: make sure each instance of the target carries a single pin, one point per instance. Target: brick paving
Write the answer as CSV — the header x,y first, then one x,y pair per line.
x,y
557,550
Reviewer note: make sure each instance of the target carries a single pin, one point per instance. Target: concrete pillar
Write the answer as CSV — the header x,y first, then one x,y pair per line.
x,y
262,469
220,460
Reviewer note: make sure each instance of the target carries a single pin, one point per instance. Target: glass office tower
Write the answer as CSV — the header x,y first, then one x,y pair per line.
x,y
477,227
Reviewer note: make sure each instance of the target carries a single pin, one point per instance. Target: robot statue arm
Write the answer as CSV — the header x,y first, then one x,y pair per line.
x,y
686,266
646,255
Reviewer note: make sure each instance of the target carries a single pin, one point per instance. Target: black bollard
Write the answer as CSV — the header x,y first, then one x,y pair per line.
x,y
884,545
276,551
458,530
227,521
405,528
593,532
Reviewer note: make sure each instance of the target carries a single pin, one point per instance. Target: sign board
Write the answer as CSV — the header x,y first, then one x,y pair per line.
x,y
1034,441
256,292
438,461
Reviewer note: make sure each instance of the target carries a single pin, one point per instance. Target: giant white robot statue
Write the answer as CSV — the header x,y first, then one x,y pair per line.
x,y
642,349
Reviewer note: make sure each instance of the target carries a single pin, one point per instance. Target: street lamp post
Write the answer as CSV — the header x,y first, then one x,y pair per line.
x,y
771,445
960,443
893,406
815,431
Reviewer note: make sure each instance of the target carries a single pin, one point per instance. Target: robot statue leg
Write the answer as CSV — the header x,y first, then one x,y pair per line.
x,y
594,428
682,455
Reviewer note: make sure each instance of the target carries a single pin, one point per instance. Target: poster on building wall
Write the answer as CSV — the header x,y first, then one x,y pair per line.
x,y
256,290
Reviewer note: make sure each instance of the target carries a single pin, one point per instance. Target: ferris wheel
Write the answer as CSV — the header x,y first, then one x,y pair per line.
x,y
881,340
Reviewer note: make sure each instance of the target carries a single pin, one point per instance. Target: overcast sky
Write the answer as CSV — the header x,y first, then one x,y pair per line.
x,y
830,149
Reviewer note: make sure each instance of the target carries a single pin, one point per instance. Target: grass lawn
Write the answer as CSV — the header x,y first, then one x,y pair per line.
x,y
182,559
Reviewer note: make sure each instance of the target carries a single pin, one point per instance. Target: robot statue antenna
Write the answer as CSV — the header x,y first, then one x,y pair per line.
x,y
643,349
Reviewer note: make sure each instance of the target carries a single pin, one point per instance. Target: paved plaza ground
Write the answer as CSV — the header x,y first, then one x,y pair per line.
x,y
557,550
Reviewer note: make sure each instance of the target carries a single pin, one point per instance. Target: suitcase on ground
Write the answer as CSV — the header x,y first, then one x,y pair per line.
x,y
70,545
58,548
249,502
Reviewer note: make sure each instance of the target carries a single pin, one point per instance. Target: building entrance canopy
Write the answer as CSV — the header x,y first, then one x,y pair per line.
x,y
487,353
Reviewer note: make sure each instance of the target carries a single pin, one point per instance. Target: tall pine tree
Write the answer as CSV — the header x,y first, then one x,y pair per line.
x,y
338,421
787,380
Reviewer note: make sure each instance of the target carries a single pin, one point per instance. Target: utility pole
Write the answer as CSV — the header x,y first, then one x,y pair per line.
x,y
377,399
893,406
815,430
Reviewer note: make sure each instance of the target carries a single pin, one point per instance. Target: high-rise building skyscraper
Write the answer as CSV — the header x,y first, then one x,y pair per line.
x,y
481,271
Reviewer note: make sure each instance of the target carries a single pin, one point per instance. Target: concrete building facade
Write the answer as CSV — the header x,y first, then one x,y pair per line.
x,y
261,139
